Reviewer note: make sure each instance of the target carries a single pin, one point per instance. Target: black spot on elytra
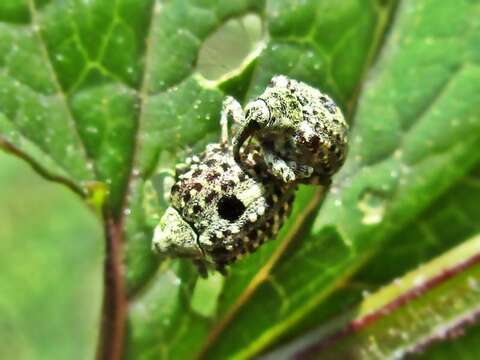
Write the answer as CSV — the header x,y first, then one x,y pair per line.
x,y
302,100
210,196
212,176
196,209
227,185
225,166
331,107
197,186
196,173
230,208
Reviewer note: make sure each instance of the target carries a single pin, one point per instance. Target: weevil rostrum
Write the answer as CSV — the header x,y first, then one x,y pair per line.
x,y
235,195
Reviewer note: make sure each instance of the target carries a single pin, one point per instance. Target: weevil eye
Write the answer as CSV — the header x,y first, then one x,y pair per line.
x,y
230,208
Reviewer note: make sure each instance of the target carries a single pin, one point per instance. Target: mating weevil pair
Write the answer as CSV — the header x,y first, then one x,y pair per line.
x,y
236,195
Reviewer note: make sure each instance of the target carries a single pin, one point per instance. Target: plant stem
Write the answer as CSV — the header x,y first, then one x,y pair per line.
x,y
114,307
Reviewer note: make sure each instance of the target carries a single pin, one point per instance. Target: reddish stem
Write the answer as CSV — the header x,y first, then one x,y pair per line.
x,y
114,307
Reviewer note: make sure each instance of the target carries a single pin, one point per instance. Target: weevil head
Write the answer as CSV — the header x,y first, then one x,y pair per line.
x,y
257,112
175,237
257,116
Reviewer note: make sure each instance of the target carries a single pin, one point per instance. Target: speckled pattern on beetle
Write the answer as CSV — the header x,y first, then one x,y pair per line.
x,y
236,195
220,211
301,130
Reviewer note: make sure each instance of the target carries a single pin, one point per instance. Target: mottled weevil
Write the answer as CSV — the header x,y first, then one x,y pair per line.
x,y
220,210
302,132
234,196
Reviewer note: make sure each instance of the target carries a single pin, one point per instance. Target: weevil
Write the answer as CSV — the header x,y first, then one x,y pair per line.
x,y
219,210
302,132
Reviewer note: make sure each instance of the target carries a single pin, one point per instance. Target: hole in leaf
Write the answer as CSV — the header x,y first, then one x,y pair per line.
x,y
231,47
372,204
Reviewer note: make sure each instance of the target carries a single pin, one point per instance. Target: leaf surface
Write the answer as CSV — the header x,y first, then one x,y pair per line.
x,y
103,96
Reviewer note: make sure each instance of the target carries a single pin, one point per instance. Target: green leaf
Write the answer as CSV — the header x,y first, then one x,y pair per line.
x,y
447,222
50,258
408,147
430,304
104,96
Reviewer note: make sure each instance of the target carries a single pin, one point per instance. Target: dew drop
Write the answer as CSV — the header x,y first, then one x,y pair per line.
x,y
473,284
455,122
232,46
91,129
372,205
394,174
419,280
158,8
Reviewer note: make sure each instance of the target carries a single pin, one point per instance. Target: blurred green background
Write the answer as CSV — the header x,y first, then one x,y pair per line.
x,y
50,263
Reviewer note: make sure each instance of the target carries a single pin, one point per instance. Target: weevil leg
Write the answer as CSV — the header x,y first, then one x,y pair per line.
x,y
231,107
278,167
301,171
202,268
221,268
